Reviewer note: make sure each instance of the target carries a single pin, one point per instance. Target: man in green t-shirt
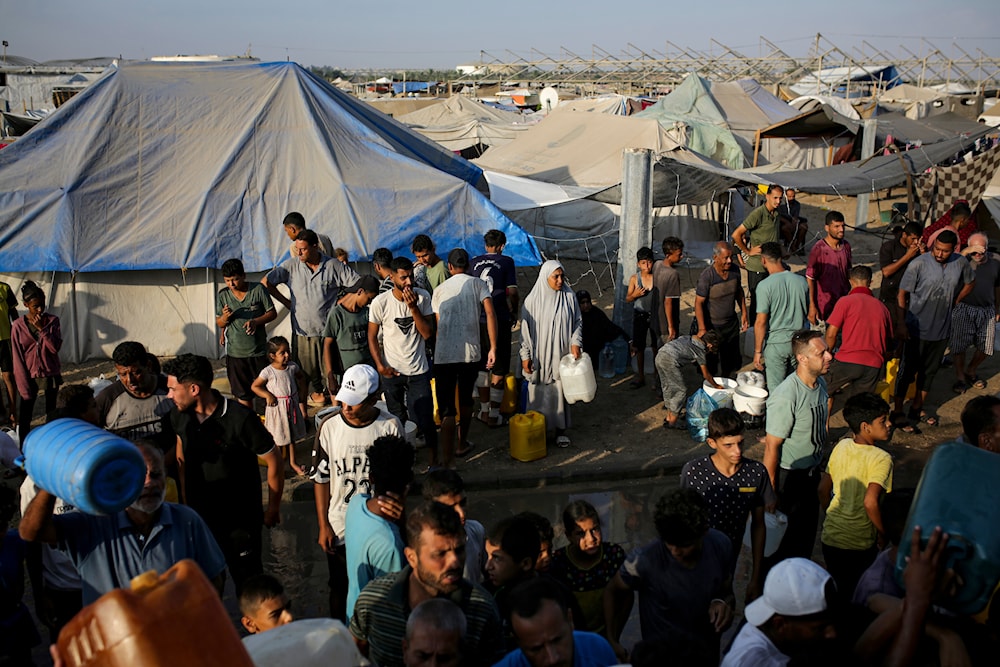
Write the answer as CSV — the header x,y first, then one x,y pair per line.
x,y
429,270
8,313
782,307
345,337
241,311
759,227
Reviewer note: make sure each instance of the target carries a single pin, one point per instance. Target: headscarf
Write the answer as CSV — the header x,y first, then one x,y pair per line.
x,y
550,323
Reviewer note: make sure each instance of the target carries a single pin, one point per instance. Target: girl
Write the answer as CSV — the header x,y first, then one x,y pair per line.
x,y
281,384
35,341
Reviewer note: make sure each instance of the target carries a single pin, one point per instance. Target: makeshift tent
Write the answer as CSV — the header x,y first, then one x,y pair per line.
x,y
459,123
180,166
850,81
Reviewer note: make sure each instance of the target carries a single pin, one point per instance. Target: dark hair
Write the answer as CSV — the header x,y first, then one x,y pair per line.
x,y
672,243
947,237
459,258
73,400
494,238
774,186
526,598
190,368
772,251
442,482
833,216
864,408
978,416
129,353
895,508
259,589
644,253
340,253
912,228
232,268
294,219
391,465
441,519
578,510
309,236
961,209
802,338
400,264
421,242
725,422
711,338
860,273
542,525
518,538
275,343
30,292
153,363
382,257
681,517
583,295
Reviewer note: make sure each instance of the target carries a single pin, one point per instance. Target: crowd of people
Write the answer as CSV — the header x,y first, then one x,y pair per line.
x,y
435,586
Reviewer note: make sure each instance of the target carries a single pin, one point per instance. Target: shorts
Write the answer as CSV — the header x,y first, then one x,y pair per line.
x,y
446,378
860,378
6,356
501,366
973,325
242,371
640,328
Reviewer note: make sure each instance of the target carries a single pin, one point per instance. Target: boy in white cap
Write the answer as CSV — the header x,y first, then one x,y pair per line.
x,y
793,616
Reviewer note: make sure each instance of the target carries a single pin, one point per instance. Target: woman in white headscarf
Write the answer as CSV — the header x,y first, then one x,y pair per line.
x,y
551,327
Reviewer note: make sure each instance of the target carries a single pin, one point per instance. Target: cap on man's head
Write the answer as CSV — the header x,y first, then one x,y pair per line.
x,y
369,284
582,295
794,587
360,382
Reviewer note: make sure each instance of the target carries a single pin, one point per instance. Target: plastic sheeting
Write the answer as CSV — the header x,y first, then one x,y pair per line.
x,y
459,123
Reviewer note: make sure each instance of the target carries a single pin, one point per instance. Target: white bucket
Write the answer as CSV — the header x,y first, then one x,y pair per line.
x,y
775,525
750,400
410,433
722,397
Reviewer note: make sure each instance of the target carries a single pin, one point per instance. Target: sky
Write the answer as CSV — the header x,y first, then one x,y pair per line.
x,y
441,34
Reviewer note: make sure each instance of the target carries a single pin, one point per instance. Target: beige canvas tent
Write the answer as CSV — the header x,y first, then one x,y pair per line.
x,y
459,123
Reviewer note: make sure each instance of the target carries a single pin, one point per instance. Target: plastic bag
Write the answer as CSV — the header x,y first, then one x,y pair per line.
x,y
98,384
699,407
751,379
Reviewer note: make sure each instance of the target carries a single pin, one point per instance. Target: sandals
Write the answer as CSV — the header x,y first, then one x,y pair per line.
x,y
563,441
978,383
960,387
925,417
679,425
903,423
500,422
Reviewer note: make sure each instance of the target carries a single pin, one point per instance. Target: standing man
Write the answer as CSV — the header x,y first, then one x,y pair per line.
x,y
718,295
136,404
667,291
498,272
241,311
793,225
931,287
826,270
314,281
345,336
428,271
218,444
457,303
782,305
294,224
894,256
759,227
793,446
959,220
382,266
976,315
405,318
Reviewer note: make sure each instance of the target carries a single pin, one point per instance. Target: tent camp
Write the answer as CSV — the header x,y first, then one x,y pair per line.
x,y
460,123
917,103
136,190
848,81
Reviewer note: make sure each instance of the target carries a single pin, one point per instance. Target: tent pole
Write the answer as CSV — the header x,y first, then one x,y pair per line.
x,y
756,147
635,229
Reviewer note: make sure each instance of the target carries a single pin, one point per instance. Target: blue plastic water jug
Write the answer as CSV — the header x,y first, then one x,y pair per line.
x,y
958,491
607,362
90,468
620,346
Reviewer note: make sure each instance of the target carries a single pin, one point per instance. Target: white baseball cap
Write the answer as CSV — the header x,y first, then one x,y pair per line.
x,y
794,587
360,382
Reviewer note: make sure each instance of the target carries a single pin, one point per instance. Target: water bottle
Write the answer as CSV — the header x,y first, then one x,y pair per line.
x,y
607,362
620,347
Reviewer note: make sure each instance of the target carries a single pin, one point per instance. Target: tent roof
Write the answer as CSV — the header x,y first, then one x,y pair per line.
x,y
458,123
182,165
747,106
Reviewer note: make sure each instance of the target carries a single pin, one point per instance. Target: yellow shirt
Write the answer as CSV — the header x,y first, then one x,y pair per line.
x,y
853,467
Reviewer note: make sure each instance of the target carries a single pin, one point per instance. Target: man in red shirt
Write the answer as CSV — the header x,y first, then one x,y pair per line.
x,y
865,327
827,268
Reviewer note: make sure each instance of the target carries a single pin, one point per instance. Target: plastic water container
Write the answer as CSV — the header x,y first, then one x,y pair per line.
x,y
9,450
410,432
648,362
527,436
958,491
577,376
90,468
172,619
724,396
508,405
775,526
891,375
750,400
620,347
312,642
606,364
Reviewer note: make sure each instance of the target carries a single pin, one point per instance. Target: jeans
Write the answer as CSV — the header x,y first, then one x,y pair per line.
x,y
409,397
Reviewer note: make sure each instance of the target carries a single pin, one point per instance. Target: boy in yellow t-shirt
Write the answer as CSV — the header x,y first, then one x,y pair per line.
x,y
857,474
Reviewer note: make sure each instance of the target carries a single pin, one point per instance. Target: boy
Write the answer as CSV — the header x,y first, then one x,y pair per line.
x,y
734,487
856,476
345,337
241,311
640,295
263,604
669,360
429,270
294,224
445,486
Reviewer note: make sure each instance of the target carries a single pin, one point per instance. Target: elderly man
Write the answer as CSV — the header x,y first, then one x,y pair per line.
x,y
974,317
718,295
759,227
136,404
314,281
110,550
435,635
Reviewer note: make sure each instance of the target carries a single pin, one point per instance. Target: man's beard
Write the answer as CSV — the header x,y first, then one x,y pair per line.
x,y
149,505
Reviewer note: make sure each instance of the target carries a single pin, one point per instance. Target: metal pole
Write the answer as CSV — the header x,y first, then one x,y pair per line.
x,y
867,149
635,229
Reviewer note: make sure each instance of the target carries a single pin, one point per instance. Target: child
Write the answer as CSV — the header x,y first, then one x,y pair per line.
x,y
76,401
264,604
640,295
669,360
734,487
856,476
35,341
445,486
545,534
587,564
281,384
242,309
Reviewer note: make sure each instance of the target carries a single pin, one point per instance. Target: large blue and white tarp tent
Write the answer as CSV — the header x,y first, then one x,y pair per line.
x,y
164,166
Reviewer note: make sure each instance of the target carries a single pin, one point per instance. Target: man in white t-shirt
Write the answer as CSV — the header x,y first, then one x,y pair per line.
x,y
457,304
405,320
340,468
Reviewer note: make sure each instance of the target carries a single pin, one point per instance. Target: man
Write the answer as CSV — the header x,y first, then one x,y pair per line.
x,y
498,272
435,635
457,304
404,316
667,291
981,423
782,306
241,311
894,256
446,487
136,404
435,555
429,270
543,626
264,605
865,327
381,265
294,224
340,468
717,297
975,317
826,270
314,280
218,444
959,220
791,620
345,336
932,285
793,446
793,225
683,578
109,551
759,227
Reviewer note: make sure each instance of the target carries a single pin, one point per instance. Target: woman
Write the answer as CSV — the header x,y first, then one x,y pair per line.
x,y
551,327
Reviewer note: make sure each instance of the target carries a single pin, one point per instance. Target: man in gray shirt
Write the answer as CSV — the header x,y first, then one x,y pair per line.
x,y
314,281
974,318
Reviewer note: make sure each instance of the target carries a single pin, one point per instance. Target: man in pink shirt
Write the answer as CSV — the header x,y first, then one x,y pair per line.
x,y
826,270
